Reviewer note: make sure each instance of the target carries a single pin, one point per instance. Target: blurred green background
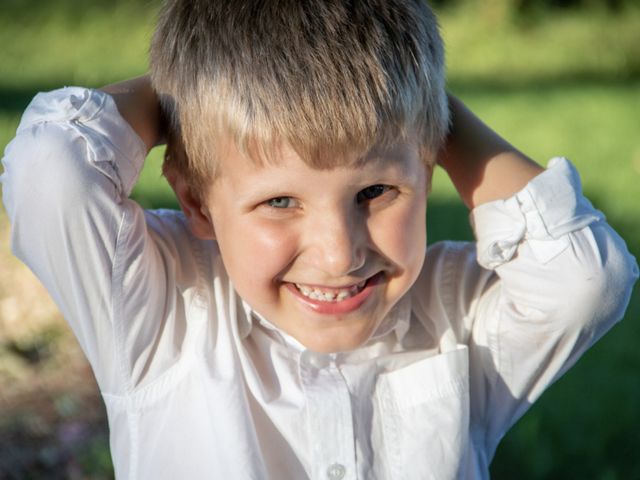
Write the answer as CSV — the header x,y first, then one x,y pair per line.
x,y
555,77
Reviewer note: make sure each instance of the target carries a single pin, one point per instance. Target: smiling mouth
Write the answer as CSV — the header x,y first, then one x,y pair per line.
x,y
332,300
331,295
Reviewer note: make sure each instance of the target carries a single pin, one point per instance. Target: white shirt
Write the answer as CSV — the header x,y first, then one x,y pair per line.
x,y
197,385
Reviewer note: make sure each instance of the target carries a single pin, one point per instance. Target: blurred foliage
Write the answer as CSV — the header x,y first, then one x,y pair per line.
x,y
514,8
81,7
521,7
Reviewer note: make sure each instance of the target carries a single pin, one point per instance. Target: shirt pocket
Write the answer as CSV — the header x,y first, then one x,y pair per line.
x,y
423,419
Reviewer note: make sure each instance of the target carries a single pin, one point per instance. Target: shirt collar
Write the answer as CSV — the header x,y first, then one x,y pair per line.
x,y
397,320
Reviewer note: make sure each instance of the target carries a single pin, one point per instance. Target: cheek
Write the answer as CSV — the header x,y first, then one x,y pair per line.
x,y
402,236
255,254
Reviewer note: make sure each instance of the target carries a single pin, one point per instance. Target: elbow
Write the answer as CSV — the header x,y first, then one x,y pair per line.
x,y
43,175
601,297
48,187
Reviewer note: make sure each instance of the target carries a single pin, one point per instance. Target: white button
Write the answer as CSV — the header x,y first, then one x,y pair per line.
x,y
336,471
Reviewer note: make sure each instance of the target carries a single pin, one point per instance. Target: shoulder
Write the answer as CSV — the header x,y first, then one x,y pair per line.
x,y
449,286
449,263
172,224
186,259
168,223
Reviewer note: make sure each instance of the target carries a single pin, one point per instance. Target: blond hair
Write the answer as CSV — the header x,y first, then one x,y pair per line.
x,y
328,77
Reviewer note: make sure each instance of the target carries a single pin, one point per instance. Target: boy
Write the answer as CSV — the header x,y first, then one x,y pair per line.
x,y
288,324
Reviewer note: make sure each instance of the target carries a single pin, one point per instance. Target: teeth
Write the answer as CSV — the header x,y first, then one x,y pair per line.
x,y
332,296
342,296
305,291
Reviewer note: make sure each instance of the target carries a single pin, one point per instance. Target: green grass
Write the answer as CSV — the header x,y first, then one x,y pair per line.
x,y
560,85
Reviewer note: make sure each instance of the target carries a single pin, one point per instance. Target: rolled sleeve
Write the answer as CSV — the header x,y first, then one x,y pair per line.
x,y
114,148
548,208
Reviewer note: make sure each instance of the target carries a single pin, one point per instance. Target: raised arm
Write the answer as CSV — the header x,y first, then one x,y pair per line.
x,y
561,276
138,105
482,165
67,177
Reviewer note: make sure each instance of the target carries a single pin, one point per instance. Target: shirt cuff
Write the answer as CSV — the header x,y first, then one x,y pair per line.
x,y
110,139
542,214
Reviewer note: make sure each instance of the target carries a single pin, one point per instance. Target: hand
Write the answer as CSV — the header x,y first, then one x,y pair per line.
x,y
138,104
481,164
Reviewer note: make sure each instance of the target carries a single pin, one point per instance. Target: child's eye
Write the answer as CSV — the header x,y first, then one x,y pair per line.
x,y
281,202
371,192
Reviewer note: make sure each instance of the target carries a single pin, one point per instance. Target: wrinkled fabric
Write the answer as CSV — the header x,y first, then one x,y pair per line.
x,y
198,385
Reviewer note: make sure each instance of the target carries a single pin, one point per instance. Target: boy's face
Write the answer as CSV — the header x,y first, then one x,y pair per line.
x,y
322,254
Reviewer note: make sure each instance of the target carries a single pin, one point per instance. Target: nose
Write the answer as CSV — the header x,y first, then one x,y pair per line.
x,y
339,239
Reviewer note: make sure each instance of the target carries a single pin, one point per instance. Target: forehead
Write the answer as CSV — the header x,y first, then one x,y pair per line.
x,y
243,181
255,157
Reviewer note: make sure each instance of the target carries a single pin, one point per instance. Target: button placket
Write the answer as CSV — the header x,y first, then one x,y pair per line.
x,y
329,418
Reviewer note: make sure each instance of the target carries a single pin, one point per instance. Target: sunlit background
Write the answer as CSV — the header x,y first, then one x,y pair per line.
x,y
556,77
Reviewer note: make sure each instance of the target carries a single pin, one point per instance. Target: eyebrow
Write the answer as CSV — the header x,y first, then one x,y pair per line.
x,y
397,159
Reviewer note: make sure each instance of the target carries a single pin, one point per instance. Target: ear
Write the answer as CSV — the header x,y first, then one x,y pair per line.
x,y
195,211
